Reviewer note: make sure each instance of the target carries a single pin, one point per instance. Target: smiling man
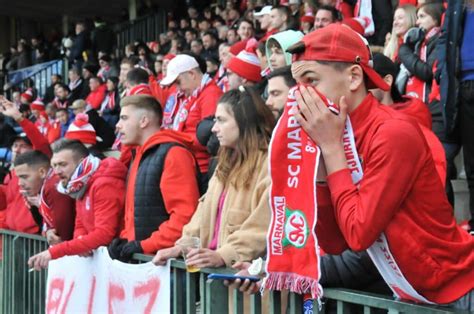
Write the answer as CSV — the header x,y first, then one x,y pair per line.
x,y
162,188
397,210
98,186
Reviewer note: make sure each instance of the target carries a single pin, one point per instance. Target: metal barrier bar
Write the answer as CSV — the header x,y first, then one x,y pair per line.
x,y
25,292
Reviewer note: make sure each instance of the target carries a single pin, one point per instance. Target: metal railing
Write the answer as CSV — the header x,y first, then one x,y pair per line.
x,y
24,291
40,73
147,28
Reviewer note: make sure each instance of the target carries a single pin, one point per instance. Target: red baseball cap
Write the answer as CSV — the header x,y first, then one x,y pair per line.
x,y
339,43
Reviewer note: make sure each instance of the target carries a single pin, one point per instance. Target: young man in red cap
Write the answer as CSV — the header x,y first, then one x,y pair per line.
x,y
244,69
396,209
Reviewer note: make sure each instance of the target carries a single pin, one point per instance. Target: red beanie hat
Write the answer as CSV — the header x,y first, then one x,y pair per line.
x,y
169,56
246,64
308,18
82,130
238,47
37,105
28,95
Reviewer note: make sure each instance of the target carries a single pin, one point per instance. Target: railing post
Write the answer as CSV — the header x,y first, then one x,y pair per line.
x,y
132,9
217,297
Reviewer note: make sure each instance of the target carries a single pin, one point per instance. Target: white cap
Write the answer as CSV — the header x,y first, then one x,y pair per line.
x,y
265,10
179,64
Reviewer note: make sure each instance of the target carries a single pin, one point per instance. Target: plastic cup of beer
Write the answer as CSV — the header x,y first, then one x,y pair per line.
x,y
186,244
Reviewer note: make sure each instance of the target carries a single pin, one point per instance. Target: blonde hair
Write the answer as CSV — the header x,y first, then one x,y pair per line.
x,y
391,48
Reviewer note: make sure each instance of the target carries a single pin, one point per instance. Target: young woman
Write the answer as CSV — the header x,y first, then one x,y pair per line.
x,y
404,18
110,108
233,217
418,55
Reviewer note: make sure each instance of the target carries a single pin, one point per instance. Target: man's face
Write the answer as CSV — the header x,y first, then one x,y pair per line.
x,y
94,85
129,125
73,76
190,36
54,79
277,95
330,82
196,47
208,42
62,116
277,57
234,80
277,19
322,19
64,164
30,178
185,82
224,55
245,31
265,21
231,36
19,147
124,68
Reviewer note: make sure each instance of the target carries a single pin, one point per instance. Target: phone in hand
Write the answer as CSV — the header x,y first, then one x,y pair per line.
x,y
231,277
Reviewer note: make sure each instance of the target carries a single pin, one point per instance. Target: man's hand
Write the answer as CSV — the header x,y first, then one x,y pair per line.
x,y
204,258
115,247
323,126
9,109
40,261
162,256
129,249
52,237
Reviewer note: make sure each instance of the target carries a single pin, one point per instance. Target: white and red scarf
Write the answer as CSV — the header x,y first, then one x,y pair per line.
x,y
109,101
292,246
185,104
44,208
77,185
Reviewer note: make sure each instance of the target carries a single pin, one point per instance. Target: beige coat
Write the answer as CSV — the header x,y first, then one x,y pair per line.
x,y
245,217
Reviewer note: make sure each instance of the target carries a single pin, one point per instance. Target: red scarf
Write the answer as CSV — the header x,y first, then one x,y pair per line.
x,y
416,87
44,208
293,253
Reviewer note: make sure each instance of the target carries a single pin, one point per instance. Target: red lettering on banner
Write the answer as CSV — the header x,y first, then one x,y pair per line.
x,y
116,292
151,287
91,296
53,303
390,261
68,297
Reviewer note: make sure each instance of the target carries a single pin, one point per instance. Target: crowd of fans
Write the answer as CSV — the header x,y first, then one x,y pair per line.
x,y
192,114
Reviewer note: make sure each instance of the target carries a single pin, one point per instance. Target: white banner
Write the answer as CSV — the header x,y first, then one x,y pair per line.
x,y
99,284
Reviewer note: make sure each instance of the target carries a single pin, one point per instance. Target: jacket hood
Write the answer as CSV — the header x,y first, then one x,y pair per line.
x,y
285,40
165,136
111,168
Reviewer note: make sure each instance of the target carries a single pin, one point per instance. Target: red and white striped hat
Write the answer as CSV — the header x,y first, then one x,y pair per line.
x,y
37,105
246,64
82,130
28,95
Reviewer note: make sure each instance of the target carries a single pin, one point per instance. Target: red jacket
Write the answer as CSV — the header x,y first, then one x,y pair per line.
x,y
202,107
161,93
14,209
60,206
415,108
177,185
402,196
95,98
99,212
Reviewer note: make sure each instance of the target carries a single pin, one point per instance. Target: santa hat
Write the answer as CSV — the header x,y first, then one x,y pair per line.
x,y
358,24
82,130
246,64
140,89
152,45
37,105
238,47
28,95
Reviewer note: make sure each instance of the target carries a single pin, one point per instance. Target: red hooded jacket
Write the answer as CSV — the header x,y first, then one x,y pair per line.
x,y
14,211
178,187
99,212
402,196
95,98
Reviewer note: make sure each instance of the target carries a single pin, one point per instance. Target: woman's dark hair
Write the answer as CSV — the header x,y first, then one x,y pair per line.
x,y
114,80
433,9
255,122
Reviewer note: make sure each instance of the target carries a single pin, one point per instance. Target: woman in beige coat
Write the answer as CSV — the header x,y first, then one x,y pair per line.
x,y
232,218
